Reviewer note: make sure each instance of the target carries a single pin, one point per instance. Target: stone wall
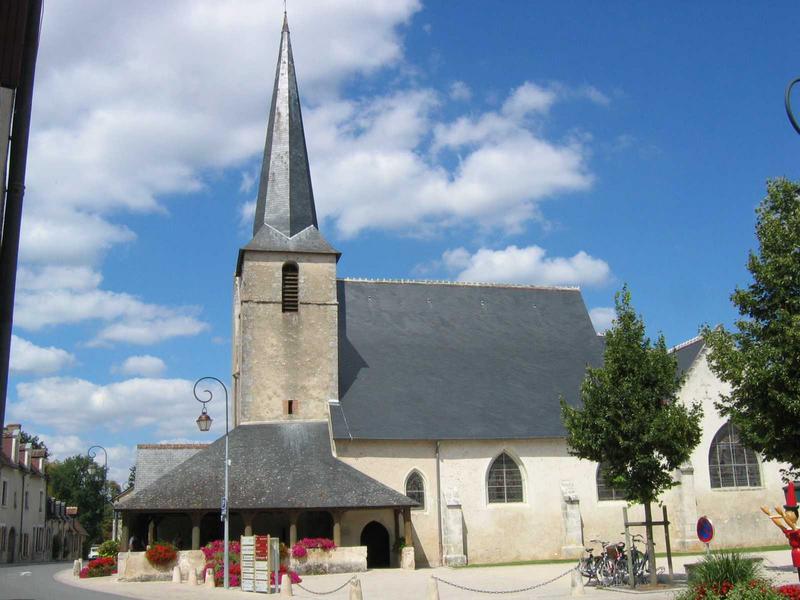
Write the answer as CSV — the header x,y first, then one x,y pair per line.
x,y
344,559
391,462
560,492
285,356
134,566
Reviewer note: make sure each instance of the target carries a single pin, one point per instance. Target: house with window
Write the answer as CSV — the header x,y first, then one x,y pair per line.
x,y
413,414
22,500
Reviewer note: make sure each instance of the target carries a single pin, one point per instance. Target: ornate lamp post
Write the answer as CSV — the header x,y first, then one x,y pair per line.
x,y
204,424
788,102
92,453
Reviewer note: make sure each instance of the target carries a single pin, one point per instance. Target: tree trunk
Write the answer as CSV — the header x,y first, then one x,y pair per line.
x,y
651,549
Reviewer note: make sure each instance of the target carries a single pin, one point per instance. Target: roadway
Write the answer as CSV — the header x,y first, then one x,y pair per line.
x,y
35,582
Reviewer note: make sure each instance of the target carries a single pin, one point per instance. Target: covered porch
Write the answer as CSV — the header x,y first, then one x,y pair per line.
x,y
284,482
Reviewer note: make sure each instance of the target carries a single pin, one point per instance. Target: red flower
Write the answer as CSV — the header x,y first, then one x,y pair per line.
x,y
161,554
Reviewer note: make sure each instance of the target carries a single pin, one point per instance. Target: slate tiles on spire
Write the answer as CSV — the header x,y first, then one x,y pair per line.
x,y
285,205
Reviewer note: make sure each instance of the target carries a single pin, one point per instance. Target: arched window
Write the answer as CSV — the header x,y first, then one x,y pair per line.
x,y
730,464
415,489
504,483
289,288
605,490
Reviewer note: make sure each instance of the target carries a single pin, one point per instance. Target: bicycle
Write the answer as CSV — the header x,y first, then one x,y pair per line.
x,y
589,566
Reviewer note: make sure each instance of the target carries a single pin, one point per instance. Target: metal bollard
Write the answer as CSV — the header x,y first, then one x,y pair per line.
x,y
286,585
355,590
433,589
192,579
210,578
176,574
576,586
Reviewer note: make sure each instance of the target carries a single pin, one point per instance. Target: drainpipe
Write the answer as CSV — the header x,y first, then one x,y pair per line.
x,y
439,504
21,512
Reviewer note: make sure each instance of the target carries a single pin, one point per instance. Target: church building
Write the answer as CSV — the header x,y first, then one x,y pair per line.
x,y
385,413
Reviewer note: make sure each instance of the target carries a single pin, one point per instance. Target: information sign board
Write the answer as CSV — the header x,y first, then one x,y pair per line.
x,y
247,563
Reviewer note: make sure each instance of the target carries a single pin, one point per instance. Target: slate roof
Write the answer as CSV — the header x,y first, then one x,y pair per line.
x,y
421,360
153,460
687,353
273,465
285,216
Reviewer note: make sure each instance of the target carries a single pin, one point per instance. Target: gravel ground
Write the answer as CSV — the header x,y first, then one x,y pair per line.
x,y
394,584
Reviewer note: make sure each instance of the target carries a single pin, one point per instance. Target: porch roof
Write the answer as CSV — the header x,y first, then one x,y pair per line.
x,y
286,465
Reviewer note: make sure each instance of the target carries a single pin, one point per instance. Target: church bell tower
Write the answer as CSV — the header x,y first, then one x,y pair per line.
x,y
285,347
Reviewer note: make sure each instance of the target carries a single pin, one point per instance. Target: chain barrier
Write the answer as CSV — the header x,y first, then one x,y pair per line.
x,y
305,589
516,591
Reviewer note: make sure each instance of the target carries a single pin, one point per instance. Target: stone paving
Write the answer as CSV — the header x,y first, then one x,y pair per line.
x,y
396,584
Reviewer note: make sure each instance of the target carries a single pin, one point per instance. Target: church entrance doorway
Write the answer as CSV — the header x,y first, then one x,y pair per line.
x,y
375,537
11,544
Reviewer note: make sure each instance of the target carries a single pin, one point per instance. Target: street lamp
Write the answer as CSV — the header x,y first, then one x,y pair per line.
x,y
204,424
92,453
788,102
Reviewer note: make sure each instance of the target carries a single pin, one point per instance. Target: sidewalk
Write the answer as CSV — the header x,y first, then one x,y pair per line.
x,y
395,584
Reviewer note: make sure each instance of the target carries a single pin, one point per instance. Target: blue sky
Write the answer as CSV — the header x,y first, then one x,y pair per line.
x,y
571,143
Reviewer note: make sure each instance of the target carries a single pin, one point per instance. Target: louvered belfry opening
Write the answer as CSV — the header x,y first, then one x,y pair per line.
x,y
290,288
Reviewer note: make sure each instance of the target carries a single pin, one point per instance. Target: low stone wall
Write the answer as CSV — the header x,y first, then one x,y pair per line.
x,y
134,566
349,559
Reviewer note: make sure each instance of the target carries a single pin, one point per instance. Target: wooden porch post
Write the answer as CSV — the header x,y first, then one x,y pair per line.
x,y
124,532
196,519
407,527
151,531
293,514
337,527
247,518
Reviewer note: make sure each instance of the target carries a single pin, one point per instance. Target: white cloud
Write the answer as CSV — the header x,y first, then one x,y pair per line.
x,y
133,321
58,277
148,331
66,236
460,91
144,365
602,317
528,265
595,95
27,357
165,407
529,98
374,170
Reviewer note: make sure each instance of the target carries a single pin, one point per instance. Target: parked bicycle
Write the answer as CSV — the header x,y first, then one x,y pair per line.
x,y
589,566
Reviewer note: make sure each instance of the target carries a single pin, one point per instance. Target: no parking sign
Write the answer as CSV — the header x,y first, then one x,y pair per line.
x,y
705,529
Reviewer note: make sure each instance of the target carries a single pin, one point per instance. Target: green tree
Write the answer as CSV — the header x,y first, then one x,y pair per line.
x,y
131,477
761,360
630,420
33,440
80,482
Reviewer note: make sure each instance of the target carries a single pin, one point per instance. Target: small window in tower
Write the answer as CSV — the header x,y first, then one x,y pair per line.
x,y
290,287
290,407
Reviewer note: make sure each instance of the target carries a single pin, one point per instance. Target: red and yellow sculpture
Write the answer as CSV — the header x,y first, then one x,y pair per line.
x,y
786,521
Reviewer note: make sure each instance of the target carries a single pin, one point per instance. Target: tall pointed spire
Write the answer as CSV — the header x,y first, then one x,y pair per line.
x,y
285,202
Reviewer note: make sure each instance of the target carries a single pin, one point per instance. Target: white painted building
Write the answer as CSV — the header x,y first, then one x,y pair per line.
x,y
23,496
